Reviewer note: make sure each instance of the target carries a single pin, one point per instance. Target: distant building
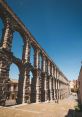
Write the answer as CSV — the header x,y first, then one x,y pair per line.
x,y
71,85
74,85
12,89
9,95
80,86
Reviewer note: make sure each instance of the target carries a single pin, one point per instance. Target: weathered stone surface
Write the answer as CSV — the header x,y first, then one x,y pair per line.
x,y
48,81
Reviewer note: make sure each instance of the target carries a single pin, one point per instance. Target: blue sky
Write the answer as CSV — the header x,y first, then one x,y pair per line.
x,y
57,26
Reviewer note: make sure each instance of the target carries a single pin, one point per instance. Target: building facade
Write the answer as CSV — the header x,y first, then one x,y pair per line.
x,y
71,84
74,85
48,83
12,90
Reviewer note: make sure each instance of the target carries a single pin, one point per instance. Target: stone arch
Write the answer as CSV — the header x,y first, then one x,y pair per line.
x,y
50,68
40,60
32,54
14,78
13,24
32,81
14,75
2,20
31,77
7,31
1,30
17,70
47,66
17,45
2,27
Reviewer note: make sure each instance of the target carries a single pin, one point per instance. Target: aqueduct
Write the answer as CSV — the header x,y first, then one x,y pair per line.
x,y
48,82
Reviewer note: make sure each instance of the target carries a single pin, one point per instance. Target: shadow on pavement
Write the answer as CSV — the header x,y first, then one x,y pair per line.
x,y
74,113
77,112
71,113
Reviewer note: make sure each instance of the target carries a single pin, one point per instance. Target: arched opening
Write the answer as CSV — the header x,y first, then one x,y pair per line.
x,y
32,82
32,55
31,77
47,66
12,87
17,45
1,30
40,61
14,72
41,78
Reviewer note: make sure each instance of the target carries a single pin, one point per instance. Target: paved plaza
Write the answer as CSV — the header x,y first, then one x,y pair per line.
x,y
51,109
